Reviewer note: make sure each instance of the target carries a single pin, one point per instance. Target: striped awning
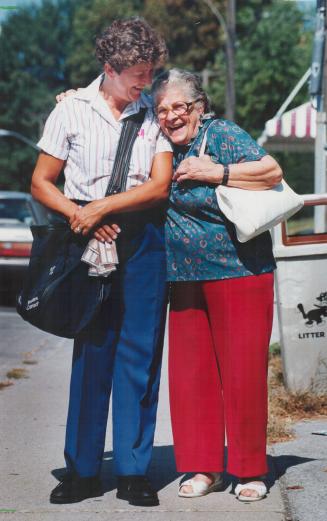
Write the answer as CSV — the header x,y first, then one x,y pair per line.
x,y
294,130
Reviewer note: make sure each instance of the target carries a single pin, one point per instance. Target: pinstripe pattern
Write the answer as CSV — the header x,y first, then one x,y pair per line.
x,y
82,130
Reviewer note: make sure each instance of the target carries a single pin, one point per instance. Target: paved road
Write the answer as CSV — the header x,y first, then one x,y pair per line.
x,y
32,417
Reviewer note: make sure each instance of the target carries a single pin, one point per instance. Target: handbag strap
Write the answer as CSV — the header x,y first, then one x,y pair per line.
x,y
118,178
204,140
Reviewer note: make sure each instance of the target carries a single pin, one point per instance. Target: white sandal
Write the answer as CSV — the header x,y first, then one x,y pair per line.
x,y
260,489
200,487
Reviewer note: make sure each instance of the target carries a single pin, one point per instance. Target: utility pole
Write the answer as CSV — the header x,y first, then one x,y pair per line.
x,y
324,92
230,60
318,92
229,31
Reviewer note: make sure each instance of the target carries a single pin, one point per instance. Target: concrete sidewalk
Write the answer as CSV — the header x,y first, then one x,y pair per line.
x,y
301,465
33,415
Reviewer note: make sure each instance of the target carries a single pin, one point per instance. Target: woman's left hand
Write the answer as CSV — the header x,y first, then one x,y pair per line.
x,y
201,169
87,217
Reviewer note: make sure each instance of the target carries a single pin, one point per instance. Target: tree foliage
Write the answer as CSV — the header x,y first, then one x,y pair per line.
x,y
270,61
49,47
33,67
192,36
90,19
272,54
190,30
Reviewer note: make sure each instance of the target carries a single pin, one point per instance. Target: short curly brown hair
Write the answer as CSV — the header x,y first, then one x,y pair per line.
x,y
128,42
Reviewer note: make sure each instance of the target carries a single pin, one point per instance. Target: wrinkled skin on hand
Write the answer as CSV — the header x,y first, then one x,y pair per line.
x,y
201,169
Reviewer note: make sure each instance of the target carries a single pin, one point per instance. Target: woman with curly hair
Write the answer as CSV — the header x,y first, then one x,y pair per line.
x,y
122,350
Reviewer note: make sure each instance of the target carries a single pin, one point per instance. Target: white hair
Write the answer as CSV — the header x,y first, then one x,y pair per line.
x,y
183,79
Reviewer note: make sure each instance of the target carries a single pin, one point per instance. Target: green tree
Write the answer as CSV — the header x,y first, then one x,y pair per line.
x,y
33,51
49,47
272,54
271,62
192,35
89,21
272,50
190,30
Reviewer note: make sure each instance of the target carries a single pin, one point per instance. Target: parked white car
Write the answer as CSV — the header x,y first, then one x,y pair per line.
x,y
18,211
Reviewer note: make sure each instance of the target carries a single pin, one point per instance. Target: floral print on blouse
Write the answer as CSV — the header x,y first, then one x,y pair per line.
x,y
201,243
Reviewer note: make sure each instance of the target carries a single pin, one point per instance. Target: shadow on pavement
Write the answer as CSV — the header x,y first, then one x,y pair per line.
x,y
280,464
163,469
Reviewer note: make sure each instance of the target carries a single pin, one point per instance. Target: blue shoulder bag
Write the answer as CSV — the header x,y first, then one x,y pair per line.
x,y
58,295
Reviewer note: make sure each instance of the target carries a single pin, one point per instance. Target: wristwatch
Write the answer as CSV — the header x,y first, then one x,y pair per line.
x,y
225,176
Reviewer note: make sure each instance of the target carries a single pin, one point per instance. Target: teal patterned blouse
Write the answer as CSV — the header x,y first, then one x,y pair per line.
x,y
201,242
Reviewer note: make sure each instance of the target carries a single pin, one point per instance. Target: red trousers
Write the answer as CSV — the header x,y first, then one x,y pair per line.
x,y
219,334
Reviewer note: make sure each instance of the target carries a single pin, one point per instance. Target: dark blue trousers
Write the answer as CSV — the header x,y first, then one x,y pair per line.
x,y
121,351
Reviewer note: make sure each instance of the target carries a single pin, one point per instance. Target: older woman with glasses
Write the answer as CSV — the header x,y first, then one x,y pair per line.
x,y
221,296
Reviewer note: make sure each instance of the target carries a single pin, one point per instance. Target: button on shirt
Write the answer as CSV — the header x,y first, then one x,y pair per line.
x,y
83,131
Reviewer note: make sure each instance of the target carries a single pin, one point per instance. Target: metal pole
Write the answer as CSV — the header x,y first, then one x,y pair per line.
x,y
318,90
230,59
229,36
263,138
17,135
292,95
205,78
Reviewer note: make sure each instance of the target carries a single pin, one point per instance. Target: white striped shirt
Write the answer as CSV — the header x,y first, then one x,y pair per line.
x,y
83,131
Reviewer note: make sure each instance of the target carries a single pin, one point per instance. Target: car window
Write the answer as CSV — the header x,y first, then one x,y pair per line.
x,y
16,210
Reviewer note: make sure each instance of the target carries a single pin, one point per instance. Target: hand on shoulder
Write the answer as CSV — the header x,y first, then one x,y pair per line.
x,y
60,97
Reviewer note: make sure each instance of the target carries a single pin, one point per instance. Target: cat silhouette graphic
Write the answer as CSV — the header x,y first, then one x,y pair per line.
x,y
313,315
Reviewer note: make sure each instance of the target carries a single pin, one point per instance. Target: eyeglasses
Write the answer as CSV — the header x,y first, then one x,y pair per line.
x,y
180,108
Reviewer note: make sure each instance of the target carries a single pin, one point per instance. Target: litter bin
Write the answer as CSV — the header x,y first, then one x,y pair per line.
x,y
300,247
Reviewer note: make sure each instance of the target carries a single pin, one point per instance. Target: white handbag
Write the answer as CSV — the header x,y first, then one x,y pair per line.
x,y
256,211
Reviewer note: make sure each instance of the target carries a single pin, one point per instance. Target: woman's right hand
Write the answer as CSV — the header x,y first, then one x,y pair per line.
x,y
65,94
201,169
107,232
104,233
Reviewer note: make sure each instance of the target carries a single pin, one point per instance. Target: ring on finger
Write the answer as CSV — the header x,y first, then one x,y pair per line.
x,y
78,229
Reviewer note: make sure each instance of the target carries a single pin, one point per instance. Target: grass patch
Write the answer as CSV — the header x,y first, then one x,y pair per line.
x,y
286,407
274,349
17,373
5,384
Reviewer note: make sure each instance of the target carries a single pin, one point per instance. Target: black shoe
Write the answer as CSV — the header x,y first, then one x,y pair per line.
x,y
137,491
73,489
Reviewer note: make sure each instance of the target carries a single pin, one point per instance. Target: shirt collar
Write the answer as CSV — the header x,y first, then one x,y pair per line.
x,y
91,92
144,101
